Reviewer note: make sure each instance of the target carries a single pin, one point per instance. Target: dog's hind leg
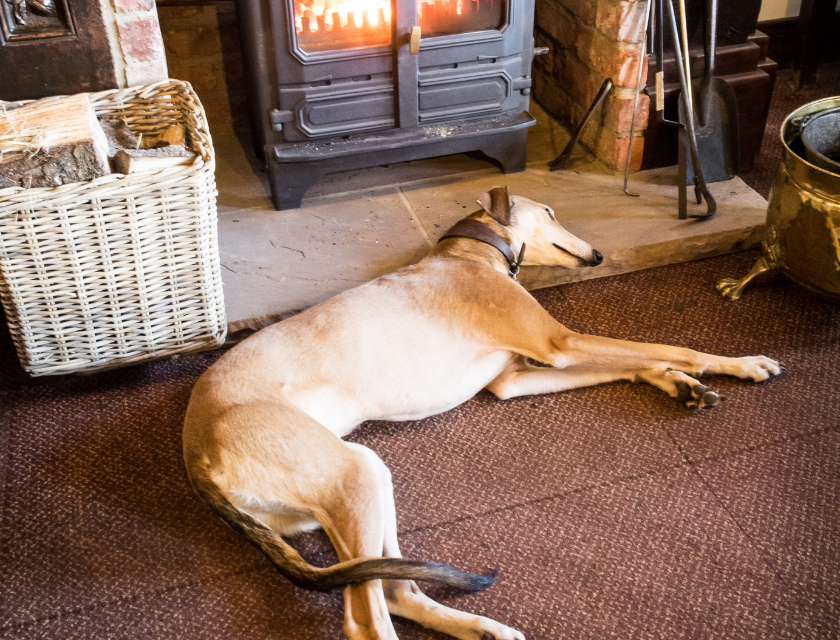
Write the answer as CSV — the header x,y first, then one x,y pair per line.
x,y
405,599
356,527
522,379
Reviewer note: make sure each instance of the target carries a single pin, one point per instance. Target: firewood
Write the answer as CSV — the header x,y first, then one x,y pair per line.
x,y
174,135
118,134
135,160
51,142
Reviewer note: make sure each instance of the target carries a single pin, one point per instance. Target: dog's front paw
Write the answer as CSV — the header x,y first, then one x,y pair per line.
x,y
758,368
695,395
681,386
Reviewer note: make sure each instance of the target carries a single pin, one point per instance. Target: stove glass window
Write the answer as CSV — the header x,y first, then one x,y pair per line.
x,y
447,17
327,25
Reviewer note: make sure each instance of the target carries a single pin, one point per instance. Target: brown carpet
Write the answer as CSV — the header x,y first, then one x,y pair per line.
x,y
611,511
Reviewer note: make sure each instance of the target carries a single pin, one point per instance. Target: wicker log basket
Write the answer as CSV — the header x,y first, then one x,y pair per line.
x,y
123,268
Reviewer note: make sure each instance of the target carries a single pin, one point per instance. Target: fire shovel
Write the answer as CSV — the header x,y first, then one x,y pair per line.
x,y
716,130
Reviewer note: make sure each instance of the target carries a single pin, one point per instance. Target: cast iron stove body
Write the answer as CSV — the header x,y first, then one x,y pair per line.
x,y
336,85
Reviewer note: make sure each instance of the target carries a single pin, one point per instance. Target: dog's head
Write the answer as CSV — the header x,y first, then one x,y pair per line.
x,y
548,244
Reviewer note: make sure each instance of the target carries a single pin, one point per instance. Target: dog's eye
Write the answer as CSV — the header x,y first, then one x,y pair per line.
x,y
548,211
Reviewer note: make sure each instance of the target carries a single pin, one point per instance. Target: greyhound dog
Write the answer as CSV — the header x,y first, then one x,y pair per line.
x,y
263,432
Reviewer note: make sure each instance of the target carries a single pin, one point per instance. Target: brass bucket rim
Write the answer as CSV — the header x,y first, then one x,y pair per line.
x,y
816,106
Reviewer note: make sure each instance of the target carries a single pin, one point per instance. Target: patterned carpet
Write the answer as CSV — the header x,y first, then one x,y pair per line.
x,y
611,511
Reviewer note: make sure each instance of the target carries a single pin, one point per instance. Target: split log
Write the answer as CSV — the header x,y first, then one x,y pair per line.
x,y
174,135
51,142
135,160
118,134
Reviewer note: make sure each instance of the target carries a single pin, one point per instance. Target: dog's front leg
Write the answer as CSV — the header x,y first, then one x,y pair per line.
x,y
575,349
583,360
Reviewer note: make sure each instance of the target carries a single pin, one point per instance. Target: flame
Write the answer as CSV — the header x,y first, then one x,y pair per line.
x,y
372,11
458,4
326,8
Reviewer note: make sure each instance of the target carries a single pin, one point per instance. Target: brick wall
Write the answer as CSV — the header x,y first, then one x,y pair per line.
x,y
201,41
589,41
136,41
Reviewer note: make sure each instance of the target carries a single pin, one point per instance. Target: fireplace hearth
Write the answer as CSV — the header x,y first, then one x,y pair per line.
x,y
336,85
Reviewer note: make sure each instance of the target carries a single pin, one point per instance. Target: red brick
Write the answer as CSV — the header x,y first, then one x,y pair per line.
x,y
621,21
613,152
608,58
579,81
582,9
552,98
217,107
619,114
557,22
126,6
144,73
628,73
169,13
207,77
140,38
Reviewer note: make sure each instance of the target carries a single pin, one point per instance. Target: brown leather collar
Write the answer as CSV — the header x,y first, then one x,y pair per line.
x,y
476,230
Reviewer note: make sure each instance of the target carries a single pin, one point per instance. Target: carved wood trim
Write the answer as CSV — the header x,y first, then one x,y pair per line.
x,y
23,21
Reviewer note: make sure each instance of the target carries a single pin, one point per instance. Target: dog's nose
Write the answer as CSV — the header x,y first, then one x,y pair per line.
x,y
597,257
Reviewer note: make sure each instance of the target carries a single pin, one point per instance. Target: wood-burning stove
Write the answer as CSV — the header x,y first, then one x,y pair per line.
x,y
345,84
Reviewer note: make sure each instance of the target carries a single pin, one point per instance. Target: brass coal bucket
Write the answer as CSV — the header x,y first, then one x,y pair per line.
x,y
803,216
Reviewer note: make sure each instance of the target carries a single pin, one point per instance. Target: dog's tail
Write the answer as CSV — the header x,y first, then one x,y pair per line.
x,y
301,573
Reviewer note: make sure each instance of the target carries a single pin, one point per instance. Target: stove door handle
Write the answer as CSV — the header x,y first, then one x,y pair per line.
x,y
414,42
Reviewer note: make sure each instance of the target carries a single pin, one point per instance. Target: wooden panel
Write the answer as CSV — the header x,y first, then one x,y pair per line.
x,y
52,47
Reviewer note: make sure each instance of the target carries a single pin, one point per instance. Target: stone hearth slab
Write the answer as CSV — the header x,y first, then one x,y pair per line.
x,y
632,233
358,225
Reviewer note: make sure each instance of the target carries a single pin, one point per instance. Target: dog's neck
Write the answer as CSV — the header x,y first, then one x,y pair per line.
x,y
477,250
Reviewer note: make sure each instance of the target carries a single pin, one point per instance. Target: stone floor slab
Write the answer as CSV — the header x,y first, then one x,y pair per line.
x,y
632,233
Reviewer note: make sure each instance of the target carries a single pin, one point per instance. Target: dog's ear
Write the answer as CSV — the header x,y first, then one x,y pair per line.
x,y
496,202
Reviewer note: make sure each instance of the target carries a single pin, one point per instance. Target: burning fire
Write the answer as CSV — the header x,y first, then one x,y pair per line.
x,y
372,12
375,13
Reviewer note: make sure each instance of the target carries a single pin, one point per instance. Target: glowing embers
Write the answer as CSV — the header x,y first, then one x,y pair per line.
x,y
324,25
445,17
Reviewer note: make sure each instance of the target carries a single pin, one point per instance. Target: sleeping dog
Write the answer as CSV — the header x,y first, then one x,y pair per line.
x,y
263,432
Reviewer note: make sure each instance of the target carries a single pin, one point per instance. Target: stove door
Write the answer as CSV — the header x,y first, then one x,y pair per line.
x,y
339,73
334,67
474,59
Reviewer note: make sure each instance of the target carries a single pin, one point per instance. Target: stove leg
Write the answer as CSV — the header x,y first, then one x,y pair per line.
x,y
290,181
509,149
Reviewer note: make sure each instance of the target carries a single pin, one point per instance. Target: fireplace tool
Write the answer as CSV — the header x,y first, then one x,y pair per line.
x,y
660,99
716,128
642,55
803,215
560,161
687,112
